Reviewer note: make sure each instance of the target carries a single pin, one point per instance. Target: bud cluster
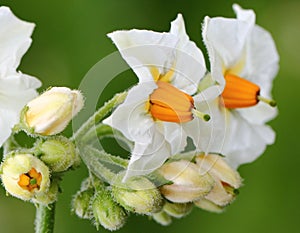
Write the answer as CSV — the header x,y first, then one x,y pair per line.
x,y
110,204
208,182
33,174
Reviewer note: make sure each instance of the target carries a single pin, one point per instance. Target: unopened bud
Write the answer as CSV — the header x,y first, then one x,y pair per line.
x,y
50,113
178,210
208,205
188,183
58,153
218,168
81,203
107,212
162,218
25,176
227,180
137,194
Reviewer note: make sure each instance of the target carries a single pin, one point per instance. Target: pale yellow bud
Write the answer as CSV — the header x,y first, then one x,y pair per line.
x,y
25,176
178,210
162,218
227,180
208,205
50,113
218,168
137,194
188,183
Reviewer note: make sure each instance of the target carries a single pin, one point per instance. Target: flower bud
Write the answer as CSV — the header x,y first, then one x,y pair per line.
x,y
227,179
137,194
162,218
178,210
188,183
207,205
58,153
107,212
81,203
50,113
25,176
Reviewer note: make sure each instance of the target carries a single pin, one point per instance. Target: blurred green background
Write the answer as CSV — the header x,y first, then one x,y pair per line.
x,y
70,37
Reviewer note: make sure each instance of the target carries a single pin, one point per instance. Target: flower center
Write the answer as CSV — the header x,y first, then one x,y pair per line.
x,y
241,93
30,180
167,103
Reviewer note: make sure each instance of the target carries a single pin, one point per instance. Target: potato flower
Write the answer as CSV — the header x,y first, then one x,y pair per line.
x,y
244,61
159,113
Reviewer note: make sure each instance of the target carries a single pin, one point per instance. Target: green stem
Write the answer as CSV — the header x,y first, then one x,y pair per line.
x,y
105,131
108,158
90,156
99,115
44,218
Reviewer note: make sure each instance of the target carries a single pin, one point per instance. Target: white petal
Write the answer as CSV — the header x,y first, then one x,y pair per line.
x,y
147,158
7,120
262,60
244,141
14,40
258,114
16,90
190,62
144,49
209,94
175,136
247,15
227,37
208,136
131,117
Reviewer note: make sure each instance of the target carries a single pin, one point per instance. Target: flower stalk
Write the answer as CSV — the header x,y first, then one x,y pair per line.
x,y
44,218
99,115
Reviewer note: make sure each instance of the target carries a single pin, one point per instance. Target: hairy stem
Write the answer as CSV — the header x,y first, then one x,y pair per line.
x,y
99,115
105,131
44,218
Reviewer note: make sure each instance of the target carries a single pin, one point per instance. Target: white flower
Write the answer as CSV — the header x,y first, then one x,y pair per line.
x,y
159,112
244,62
16,89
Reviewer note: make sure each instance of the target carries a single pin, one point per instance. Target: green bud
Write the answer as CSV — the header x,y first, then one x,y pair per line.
x,y
107,212
137,194
178,210
81,203
58,153
162,218
208,205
